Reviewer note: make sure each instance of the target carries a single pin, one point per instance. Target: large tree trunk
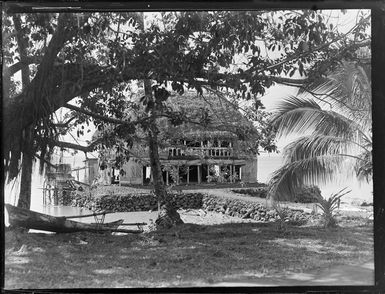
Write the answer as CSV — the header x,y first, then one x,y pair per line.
x,y
24,200
26,172
168,216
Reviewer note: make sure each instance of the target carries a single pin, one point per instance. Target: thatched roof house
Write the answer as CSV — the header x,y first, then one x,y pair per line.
x,y
213,144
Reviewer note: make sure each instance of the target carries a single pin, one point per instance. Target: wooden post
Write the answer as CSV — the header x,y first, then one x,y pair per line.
x,y
199,173
177,174
234,173
167,177
231,173
56,196
188,175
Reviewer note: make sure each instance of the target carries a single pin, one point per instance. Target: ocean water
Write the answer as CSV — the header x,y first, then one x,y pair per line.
x,y
267,164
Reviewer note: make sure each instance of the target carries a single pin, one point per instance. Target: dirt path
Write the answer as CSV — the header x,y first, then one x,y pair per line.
x,y
361,274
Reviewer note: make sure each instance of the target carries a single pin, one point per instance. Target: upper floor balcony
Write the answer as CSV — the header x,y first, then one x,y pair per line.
x,y
200,152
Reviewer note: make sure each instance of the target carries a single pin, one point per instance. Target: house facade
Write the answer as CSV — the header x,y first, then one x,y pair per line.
x,y
217,159
194,154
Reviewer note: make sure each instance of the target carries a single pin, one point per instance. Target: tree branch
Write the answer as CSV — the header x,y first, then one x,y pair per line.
x,y
65,124
68,145
106,118
34,102
95,115
46,161
319,48
14,68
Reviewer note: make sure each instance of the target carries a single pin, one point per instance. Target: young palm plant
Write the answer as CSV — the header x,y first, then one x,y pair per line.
x,y
328,206
333,131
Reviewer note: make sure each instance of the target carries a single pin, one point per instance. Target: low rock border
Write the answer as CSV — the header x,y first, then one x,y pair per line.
x,y
251,210
134,201
188,200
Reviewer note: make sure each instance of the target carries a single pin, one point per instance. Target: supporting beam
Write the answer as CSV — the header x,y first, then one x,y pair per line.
x,y
177,175
199,173
167,174
188,175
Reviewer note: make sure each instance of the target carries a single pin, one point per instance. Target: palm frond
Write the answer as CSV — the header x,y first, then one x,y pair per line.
x,y
347,90
314,145
340,124
284,183
288,179
295,115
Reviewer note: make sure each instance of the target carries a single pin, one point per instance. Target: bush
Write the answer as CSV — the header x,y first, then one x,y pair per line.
x,y
289,216
366,204
308,194
253,192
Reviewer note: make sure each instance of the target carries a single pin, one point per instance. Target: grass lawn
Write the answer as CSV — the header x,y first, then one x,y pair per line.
x,y
189,255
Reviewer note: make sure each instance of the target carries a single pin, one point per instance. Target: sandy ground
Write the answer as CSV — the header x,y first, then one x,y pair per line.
x,y
210,250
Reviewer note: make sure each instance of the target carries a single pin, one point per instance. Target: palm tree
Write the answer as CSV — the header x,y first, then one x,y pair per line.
x,y
334,128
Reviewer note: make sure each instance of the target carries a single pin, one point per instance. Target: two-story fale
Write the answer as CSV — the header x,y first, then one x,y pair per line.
x,y
220,150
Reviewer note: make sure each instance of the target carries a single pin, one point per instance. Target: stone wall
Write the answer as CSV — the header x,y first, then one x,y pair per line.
x,y
147,201
135,202
250,210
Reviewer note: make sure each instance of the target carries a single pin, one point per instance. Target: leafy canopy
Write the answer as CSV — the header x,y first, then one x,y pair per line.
x,y
95,56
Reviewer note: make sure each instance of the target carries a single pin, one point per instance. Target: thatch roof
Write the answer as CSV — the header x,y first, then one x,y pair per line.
x,y
220,110
224,120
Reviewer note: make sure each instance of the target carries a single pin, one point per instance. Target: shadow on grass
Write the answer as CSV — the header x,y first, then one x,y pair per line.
x,y
183,256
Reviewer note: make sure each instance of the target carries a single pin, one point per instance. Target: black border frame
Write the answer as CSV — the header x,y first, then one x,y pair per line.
x,y
378,111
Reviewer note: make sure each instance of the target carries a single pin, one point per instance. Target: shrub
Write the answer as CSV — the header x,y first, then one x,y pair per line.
x,y
366,203
283,213
308,194
253,192
288,216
